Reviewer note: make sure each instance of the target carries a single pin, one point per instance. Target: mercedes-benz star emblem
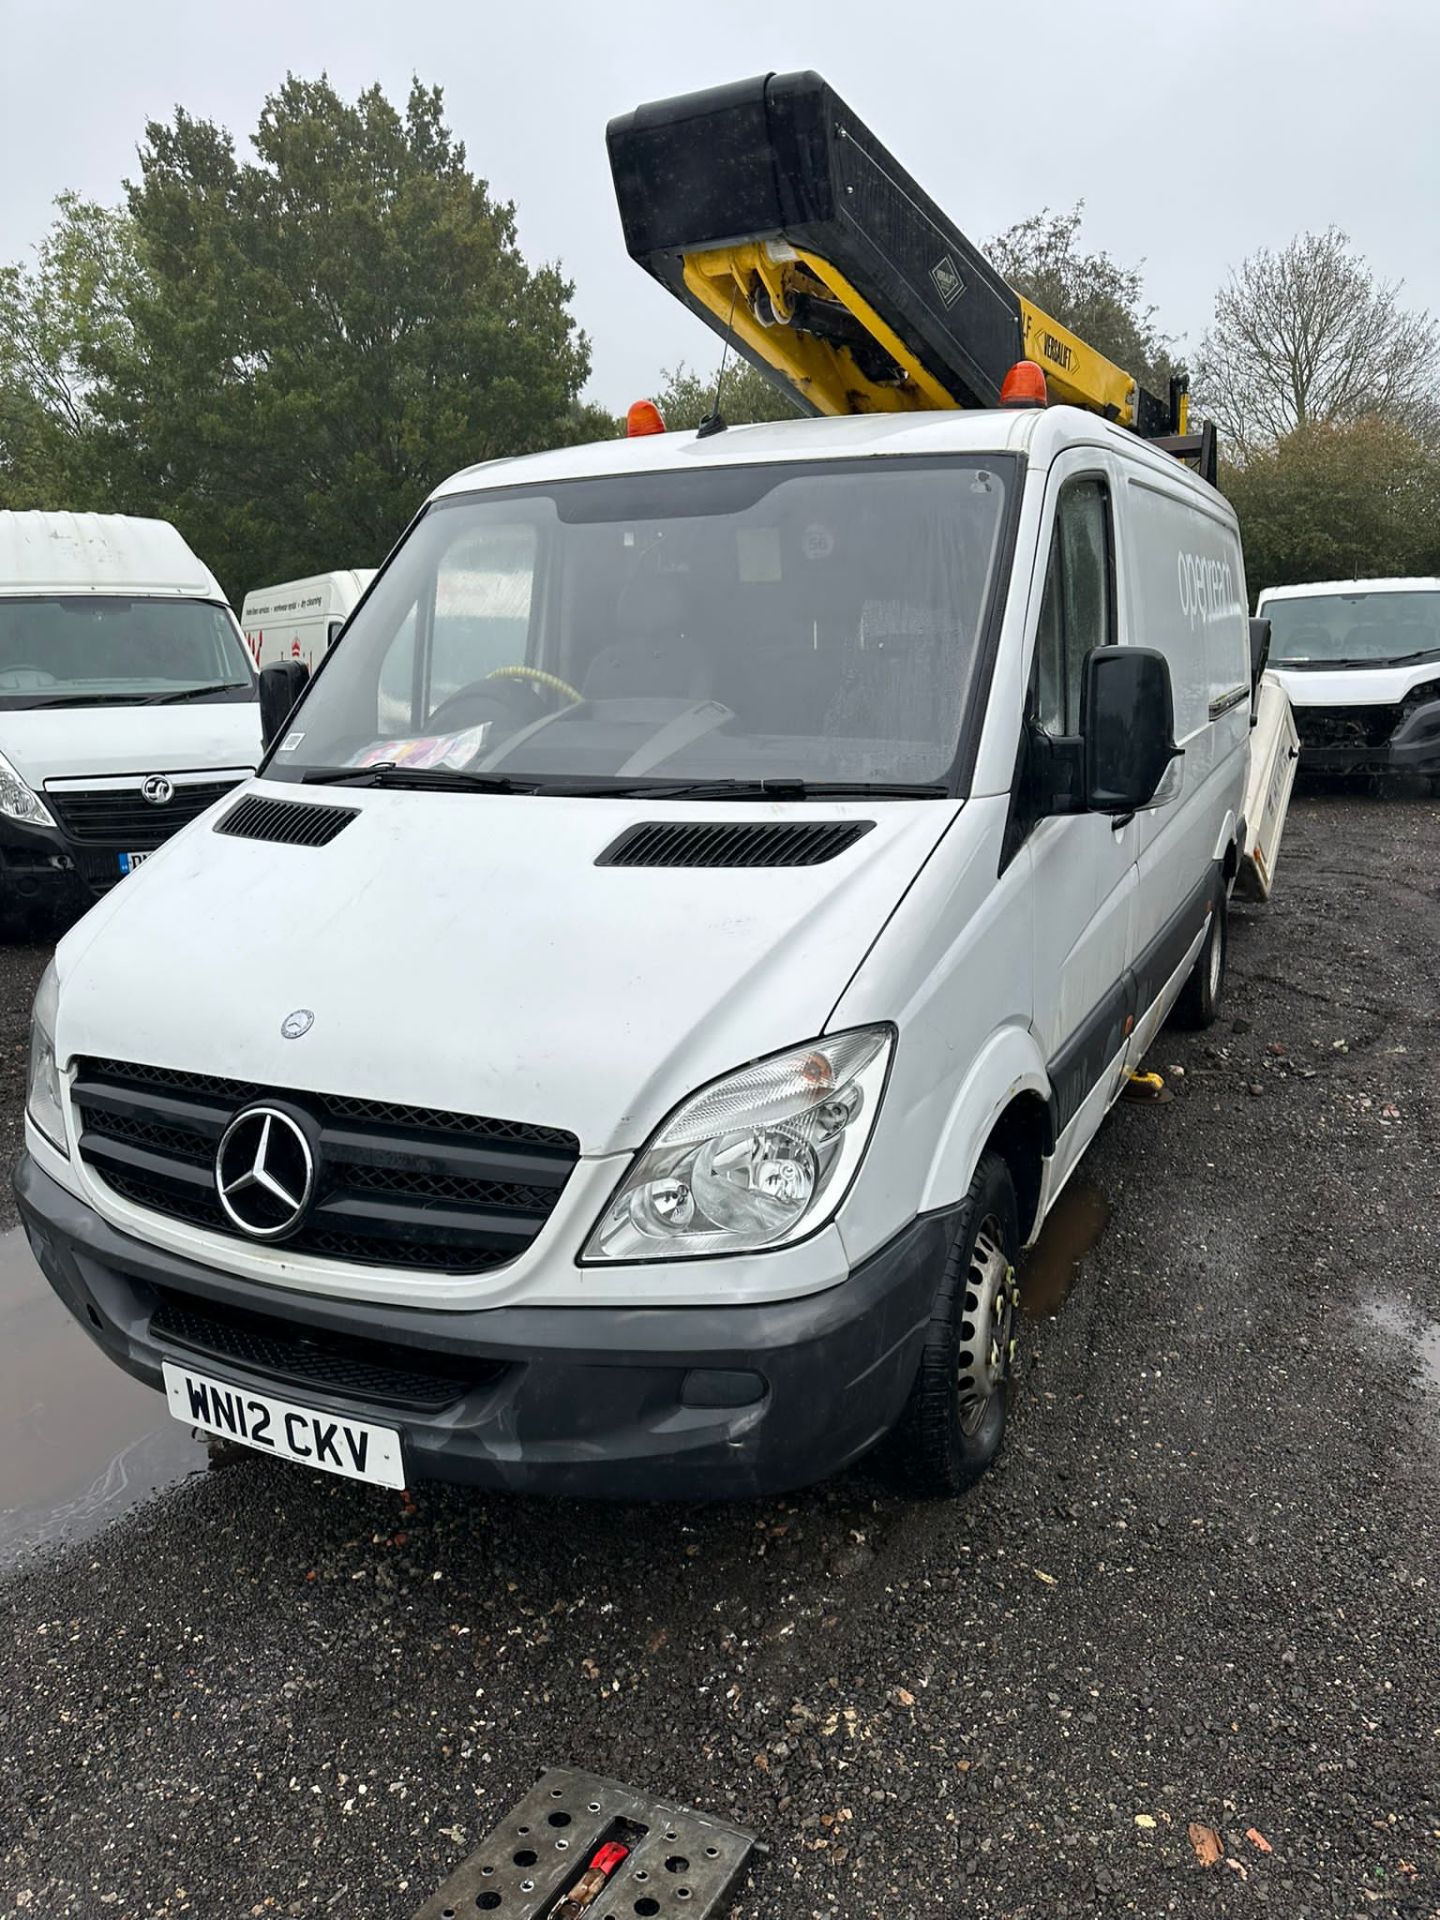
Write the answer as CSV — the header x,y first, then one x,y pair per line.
x,y
265,1173
297,1023
158,790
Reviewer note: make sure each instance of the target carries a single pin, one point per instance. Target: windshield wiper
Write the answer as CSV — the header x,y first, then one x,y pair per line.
x,y
1302,663
78,700
386,773
766,789
191,693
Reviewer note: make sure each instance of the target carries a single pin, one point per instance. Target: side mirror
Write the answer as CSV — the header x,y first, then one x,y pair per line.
x,y
1127,726
1259,650
281,685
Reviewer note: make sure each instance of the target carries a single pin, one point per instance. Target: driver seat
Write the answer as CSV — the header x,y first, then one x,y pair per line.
x,y
657,656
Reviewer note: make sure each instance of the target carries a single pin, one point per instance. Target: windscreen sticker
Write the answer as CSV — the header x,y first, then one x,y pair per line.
x,y
817,542
425,750
758,551
291,742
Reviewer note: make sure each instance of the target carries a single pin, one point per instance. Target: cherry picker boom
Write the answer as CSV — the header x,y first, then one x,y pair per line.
x,y
774,213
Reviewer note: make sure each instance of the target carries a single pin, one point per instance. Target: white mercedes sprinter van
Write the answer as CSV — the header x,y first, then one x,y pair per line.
x,y
127,701
668,964
1360,660
302,619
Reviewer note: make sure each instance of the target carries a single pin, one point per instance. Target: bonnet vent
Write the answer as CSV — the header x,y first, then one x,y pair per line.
x,y
681,843
291,823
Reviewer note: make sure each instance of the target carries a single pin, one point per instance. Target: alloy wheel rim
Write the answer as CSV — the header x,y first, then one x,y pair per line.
x,y
987,1326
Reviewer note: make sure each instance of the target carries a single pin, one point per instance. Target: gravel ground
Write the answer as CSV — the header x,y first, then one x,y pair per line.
x,y
1202,1586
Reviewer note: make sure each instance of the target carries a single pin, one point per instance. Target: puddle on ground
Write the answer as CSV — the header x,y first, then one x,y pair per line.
x,y
80,1441
1071,1229
1420,1337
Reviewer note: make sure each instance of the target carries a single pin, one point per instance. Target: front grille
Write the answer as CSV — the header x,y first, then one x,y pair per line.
x,y
282,1352
396,1186
121,817
1347,729
729,843
288,823
1363,730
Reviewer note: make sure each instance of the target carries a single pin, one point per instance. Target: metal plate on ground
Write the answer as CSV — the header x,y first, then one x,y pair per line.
x,y
680,1864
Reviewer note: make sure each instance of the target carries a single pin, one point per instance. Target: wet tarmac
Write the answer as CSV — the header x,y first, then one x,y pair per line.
x,y
1049,1270
1418,1337
80,1441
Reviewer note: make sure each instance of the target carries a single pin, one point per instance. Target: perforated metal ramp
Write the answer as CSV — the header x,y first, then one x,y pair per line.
x,y
679,1864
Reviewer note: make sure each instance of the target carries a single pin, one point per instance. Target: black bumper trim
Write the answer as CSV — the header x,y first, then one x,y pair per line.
x,y
1414,746
580,1401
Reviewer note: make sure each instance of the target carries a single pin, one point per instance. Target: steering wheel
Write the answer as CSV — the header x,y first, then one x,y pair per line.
x,y
42,674
538,677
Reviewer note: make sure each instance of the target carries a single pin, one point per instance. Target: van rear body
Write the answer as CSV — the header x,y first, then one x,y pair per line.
x,y
302,619
127,701
1360,660
670,962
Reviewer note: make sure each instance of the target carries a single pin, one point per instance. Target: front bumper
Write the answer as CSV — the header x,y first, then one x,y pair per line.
x,y
612,1402
40,867
1390,739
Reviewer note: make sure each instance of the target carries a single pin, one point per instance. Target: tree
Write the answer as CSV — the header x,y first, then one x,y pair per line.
x,y
1338,502
1090,293
685,398
62,322
283,355
1309,335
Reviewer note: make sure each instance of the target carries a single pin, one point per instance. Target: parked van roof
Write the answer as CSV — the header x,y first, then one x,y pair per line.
x,y
1040,434
316,589
99,553
1420,584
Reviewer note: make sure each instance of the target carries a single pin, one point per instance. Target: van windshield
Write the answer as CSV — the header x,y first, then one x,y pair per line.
x,y
727,627
86,650
1355,629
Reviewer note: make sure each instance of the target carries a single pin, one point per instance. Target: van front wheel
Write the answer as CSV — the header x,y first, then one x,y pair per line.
x,y
1200,997
951,1428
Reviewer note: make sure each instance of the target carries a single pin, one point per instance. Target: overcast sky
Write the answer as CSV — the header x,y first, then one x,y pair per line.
x,y
1193,132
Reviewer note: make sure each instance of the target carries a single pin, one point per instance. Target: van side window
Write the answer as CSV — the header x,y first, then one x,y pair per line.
x,y
1078,611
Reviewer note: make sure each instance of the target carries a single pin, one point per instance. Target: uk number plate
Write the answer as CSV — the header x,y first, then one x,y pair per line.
x,y
336,1444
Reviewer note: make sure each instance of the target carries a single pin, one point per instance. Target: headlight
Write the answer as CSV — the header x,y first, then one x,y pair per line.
x,y
45,1103
19,802
752,1160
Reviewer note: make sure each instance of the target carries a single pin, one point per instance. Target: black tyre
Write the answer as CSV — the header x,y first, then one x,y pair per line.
x,y
951,1428
1202,993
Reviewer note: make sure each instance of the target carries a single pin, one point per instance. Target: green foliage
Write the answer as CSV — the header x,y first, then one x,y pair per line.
x,y
685,398
1088,292
284,355
1336,503
61,322
326,332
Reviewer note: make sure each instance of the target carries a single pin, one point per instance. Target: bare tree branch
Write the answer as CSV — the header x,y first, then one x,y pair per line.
x,y
1308,335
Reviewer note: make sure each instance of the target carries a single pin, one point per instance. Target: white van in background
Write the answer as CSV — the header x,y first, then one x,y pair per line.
x,y
300,620
127,701
635,1067
1360,660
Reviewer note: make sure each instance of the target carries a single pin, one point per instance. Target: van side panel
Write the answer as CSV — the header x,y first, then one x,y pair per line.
x,y
1184,593
953,969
